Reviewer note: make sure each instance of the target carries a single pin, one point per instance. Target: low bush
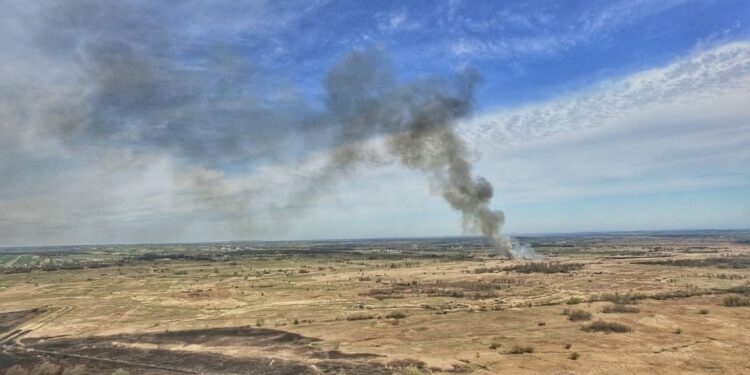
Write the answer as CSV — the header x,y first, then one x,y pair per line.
x,y
78,369
411,370
606,327
576,315
397,314
618,299
46,368
519,349
735,301
741,289
360,316
737,262
620,309
16,370
545,267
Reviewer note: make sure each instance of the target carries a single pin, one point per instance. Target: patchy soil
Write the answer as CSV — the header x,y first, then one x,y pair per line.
x,y
288,308
10,320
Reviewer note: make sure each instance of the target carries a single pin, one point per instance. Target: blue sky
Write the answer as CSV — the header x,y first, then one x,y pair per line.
x,y
526,50
141,121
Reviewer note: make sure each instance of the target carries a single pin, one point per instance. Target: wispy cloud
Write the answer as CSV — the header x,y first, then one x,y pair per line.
x,y
702,76
515,33
679,127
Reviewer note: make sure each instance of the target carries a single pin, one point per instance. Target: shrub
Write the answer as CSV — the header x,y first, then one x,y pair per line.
x,y
519,349
574,300
46,368
259,322
568,346
408,363
737,262
16,370
619,299
736,301
76,370
574,356
577,315
397,314
741,289
606,327
703,311
494,345
620,309
412,370
359,316
545,267
678,331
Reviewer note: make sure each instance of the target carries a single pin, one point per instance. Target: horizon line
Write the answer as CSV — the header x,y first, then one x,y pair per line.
x,y
532,234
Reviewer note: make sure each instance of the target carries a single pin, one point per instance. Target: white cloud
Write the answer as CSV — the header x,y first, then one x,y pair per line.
x,y
548,31
681,127
710,74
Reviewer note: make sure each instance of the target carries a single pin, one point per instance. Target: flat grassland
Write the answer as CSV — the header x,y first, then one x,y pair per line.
x,y
639,303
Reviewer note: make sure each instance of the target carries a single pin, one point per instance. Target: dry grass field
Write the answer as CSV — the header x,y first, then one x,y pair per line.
x,y
623,304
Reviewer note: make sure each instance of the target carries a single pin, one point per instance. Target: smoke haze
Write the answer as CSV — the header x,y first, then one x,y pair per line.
x,y
417,119
112,86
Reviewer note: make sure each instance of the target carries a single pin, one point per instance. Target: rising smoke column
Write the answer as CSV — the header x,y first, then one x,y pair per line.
x,y
416,119
127,85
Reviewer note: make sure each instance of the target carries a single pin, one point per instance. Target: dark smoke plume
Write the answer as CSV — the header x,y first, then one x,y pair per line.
x,y
132,84
417,119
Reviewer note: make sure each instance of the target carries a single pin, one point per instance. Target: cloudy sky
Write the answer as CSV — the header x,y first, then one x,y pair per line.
x,y
150,121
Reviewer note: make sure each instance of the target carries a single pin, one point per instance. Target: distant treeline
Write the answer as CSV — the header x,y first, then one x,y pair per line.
x,y
742,261
534,267
62,266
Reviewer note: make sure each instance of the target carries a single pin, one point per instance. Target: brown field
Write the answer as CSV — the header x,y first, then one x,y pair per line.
x,y
656,304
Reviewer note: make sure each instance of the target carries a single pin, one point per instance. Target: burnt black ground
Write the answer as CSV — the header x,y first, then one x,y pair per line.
x,y
114,352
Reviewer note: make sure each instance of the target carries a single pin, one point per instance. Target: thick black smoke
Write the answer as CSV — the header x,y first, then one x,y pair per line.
x,y
365,101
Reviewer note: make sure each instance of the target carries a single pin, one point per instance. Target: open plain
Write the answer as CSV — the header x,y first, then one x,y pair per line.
x,y
625,303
